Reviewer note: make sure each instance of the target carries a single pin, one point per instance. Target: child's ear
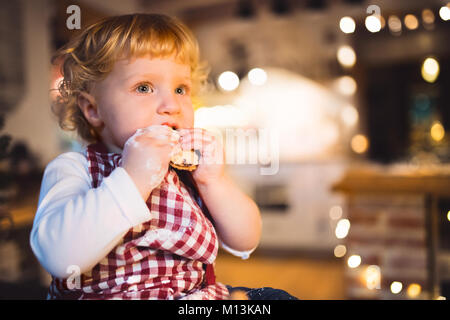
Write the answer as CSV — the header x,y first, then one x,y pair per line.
x,y
88,106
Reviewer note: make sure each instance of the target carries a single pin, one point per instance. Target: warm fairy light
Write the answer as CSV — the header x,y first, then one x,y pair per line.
x,y
340,250
414,290
342,228
346,85
346,56
347,25
354,261
437,131
349,115
395,25
441,298
444,13
335,212
372,277
396,287
428,16
373,23
411,22
359,143
228,81
257,76
448,215
430,69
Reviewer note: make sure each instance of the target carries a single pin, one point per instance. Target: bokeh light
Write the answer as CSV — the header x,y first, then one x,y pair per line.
x,y
340,250
342,228
373,23
335,212
372,276
413,290
354,261
430,69
437,131
444,13
359,143
395,25
347,25
257,76
396,287
346,85
346,56
228,81
427,17
411,22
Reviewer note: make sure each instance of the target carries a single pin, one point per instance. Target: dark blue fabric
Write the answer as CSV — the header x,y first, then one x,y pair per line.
x,y
266,293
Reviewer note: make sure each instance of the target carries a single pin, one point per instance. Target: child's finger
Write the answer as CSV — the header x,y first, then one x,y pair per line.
x,y
160,132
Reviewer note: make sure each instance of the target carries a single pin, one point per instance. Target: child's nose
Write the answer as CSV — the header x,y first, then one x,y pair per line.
x,y
169,105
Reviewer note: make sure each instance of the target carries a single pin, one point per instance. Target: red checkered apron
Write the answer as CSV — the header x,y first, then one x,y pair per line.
x,y
168,257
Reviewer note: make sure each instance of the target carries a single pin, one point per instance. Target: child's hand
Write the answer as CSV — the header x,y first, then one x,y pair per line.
x,y
211,166
146,156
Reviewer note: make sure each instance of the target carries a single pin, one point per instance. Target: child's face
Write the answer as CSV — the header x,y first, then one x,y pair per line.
x,y
142,92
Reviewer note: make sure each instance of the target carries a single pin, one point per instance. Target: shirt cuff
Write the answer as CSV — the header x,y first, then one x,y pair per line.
x,y
127,196
241,254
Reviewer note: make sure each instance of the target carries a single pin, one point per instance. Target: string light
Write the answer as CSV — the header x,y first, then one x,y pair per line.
x,y
342,228
346,56
427,18
346,85
354,261
437,131
414,290
359,143
448,215
395,25
430,69
340,250
228,81
347,25
444,13
411,22
373,23
372,277
396,287
335,212
257,76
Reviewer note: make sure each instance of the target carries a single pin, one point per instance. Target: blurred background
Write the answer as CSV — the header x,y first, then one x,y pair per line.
x,y
357,93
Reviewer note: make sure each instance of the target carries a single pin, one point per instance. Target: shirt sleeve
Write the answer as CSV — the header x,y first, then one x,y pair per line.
x,y
241,254
77,225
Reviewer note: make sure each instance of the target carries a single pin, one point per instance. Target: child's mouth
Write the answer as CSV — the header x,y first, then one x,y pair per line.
x,y
174,126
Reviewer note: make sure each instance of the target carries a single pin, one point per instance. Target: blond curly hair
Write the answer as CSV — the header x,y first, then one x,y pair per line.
x,y
90,57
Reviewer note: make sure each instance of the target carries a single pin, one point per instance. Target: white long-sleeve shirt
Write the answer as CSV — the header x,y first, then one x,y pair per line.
x,y
77,225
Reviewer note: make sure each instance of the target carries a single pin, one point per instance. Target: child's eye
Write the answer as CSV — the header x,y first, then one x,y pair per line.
x,y
182,90
144,88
